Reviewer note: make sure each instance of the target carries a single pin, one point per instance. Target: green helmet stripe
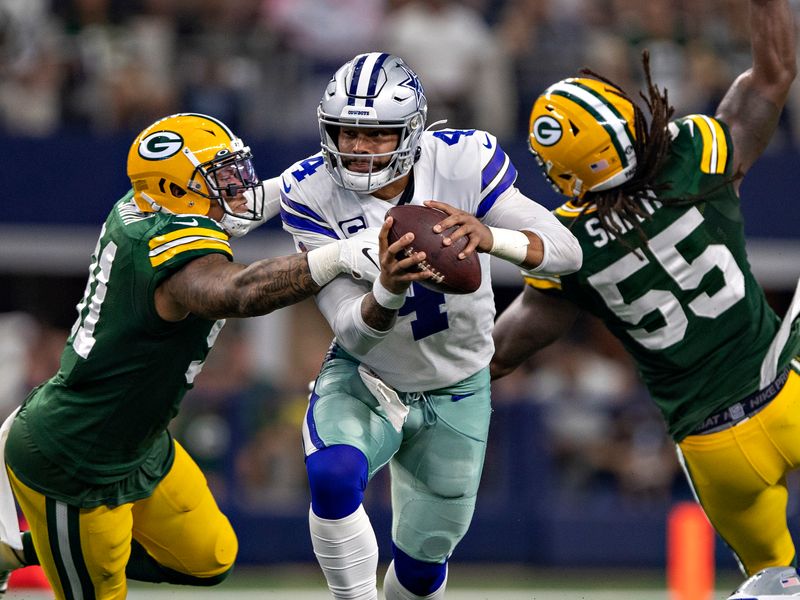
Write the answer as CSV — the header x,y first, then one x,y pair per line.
x,y
603,112
610,105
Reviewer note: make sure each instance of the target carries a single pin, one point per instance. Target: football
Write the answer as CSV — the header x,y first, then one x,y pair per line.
x,y
452,275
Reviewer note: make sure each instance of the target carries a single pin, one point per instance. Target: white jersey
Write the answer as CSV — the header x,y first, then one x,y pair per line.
x,y
438,339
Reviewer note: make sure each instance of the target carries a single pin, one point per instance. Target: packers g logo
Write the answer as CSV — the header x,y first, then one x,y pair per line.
x,y
546,130
160,145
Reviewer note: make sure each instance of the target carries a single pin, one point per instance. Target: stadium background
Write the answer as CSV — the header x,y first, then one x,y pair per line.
x,y
579,471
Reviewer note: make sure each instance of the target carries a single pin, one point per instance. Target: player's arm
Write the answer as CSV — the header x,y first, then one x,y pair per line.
x,y
753,103
518,230
361,317
531,322
379,307
214,288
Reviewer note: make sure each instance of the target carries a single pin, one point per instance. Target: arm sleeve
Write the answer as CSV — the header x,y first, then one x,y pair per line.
x,y
514,210
272,198
340,304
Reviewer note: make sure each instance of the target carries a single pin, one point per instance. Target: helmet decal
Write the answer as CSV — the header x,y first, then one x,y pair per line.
x,y
413,83
364,82
546,130
160,145
603,111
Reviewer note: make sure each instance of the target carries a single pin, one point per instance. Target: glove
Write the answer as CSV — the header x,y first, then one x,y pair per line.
x,y
358,255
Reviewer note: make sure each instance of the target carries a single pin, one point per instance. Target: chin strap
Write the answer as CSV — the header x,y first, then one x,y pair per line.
x,y
153,204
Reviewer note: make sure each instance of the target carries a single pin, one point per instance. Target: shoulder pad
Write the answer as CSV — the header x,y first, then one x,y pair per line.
x,y
497,171
181,238
568,210
709,139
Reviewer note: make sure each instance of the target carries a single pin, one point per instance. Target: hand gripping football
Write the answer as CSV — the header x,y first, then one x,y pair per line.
x,y
452,275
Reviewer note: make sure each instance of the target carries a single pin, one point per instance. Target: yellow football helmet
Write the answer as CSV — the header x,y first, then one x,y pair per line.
x,y
182,163
582,133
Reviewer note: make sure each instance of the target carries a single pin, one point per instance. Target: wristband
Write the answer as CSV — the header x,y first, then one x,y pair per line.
x,y
509,244
386,298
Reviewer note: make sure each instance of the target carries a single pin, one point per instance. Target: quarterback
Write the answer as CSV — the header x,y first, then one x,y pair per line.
x,y
406,379
107,492
657,212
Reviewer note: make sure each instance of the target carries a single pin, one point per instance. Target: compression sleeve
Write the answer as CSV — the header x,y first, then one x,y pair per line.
x,y
340,304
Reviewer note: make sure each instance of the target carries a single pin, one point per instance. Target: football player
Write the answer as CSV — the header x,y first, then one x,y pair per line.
x,y
106,490
406,380
657,211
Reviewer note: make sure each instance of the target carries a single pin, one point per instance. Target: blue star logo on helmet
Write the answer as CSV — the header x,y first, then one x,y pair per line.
x,y
547,130
413,83
160,145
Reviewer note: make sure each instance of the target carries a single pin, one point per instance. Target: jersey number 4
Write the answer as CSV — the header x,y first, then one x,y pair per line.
x,y
428,306
688,276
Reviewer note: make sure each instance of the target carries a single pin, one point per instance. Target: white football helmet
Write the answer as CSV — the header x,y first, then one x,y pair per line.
x,y
773,583
373,90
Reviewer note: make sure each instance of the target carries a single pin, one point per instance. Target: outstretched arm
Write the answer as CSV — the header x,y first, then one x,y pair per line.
x,y
531,322
753,103
214,288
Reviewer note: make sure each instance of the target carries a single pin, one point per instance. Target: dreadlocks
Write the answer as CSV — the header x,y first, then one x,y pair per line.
x,y
621,204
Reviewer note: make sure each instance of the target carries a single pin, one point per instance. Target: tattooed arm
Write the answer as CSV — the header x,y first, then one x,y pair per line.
x,y
215,288
752,105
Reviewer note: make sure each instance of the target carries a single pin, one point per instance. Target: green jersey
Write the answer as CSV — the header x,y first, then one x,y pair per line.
x,y
685,304
96,433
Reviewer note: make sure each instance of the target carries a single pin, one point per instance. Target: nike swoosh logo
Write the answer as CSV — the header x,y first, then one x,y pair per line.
x,y
488,143
457,397
192,223
286,188
365,252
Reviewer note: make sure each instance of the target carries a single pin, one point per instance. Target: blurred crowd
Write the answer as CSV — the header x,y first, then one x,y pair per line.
x,y
113,66
104,66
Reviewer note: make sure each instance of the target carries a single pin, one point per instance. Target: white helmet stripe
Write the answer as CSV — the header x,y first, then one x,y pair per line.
x,y
594,102
365,74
